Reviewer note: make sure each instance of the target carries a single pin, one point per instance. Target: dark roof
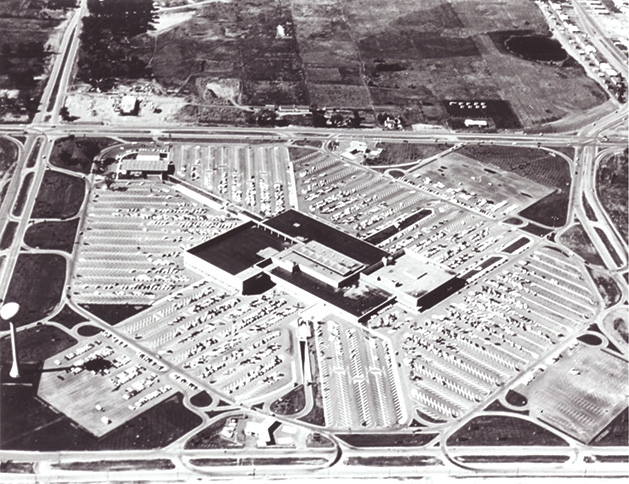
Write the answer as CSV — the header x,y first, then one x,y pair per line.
x,y
237,250
298,225
356,301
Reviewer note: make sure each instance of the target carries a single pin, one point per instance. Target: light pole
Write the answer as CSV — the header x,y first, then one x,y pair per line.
x,y
7,312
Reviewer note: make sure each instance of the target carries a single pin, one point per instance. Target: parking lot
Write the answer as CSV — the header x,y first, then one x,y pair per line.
x,y
470,184
360,201
456,355
131,384
459,240
250,176
359,380
131,243
241,345
581,393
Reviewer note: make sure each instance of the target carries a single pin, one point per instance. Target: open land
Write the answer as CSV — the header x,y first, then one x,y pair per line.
x,y
612,179
577,239
410,62
37,285
29,35
8,159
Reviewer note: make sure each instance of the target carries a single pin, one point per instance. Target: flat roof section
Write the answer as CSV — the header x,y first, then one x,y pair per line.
x,y
411,275
240,248
358,299
143,164
328,258
298,225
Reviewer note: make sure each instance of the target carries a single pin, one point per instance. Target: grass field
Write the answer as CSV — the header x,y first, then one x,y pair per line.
x,y
114,313
20,412
400,153
499,430
291,403
616,433
387,440
18,208
68,317
577,239
32,157
36,344
316,415
52,235
210,437
11,467
607,287
35,427
36,285
395,461
512,459
88,330
611,185
77,154
7,235
8,155
60,196
116,465
201,399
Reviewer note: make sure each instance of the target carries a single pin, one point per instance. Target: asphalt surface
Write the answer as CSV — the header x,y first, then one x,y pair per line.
x,y
592,142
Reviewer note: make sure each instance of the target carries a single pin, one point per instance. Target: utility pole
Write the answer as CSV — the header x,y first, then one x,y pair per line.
x,y
7,312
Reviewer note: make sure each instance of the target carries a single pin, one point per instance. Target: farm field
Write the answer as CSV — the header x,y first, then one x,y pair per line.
x,y
29,34
405,60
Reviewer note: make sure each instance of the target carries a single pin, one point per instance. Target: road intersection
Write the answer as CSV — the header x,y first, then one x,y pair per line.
x,y
592,143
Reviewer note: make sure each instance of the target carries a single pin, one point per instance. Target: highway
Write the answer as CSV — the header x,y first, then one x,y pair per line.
x,y
592,143
51,102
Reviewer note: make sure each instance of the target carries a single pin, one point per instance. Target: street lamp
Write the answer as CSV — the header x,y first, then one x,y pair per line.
x,y
7,312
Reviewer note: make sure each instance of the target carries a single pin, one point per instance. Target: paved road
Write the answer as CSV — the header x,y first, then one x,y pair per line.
x,y
590,144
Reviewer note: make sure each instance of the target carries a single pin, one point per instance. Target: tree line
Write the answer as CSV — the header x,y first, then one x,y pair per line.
x,y
105,53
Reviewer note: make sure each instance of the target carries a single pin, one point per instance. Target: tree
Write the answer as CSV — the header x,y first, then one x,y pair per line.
x,y
64,113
